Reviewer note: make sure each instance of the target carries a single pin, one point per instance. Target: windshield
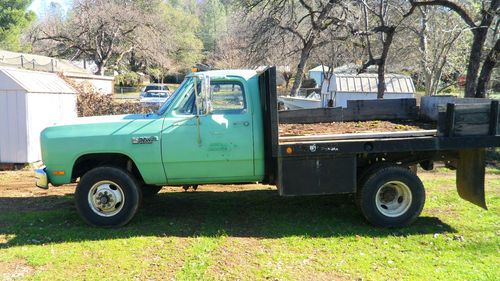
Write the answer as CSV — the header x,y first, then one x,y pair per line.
x,y
174,96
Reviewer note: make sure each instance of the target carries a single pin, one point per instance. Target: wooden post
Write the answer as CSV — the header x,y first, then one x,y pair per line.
x,y
450,119
494,118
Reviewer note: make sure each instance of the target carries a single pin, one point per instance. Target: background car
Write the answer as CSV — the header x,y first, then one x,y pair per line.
x,y
154,97
154,87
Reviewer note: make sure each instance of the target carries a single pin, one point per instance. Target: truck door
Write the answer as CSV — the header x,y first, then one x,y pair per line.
x,y
219,148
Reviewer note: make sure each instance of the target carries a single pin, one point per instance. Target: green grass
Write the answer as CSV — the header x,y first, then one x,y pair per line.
x,y
255,234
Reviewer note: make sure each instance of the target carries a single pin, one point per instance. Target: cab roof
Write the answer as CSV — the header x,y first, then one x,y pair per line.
x,y
246,74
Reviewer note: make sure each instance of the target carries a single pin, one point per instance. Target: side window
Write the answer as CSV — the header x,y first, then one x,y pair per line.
x,y
227,97
186,105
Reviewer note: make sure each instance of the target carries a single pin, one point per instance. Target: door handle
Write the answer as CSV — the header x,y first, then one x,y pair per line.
x,y
244,123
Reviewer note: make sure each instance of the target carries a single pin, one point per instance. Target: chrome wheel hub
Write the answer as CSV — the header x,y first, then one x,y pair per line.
x,y
106,198
393,199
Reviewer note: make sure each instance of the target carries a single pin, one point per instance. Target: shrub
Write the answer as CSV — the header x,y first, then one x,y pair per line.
x,y
309,83
128,79
92,103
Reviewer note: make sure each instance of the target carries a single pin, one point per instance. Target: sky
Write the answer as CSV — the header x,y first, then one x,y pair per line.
x,y
40,6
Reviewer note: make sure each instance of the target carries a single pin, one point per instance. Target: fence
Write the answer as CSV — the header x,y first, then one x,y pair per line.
x,y
302,92
126,90
22,62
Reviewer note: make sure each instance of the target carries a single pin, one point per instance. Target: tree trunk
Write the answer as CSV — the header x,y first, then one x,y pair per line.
x,y
474,62
381,65
429,84
304,56
480,34
381,80
487,69
100,68
424,52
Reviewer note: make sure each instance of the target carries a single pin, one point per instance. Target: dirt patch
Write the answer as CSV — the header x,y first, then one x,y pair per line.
x,y
14,270
221,188
352,127
19,193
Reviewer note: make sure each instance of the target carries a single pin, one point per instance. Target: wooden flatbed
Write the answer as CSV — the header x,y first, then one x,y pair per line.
x,y
336,150
371,135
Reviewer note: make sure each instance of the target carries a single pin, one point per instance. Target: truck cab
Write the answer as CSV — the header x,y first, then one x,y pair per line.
x,y
209,131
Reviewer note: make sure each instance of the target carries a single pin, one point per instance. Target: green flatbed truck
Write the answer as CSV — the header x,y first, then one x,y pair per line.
x,y
222,127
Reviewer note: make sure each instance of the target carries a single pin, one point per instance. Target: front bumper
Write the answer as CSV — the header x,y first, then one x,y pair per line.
x,y
41,178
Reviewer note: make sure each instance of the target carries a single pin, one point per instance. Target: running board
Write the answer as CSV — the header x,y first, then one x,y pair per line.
x,y
420,133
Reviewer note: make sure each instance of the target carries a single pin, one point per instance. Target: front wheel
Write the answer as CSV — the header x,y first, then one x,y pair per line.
x,y
107,197
391,197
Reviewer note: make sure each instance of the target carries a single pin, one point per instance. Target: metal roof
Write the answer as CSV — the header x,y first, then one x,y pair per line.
x,y
367,83
319,68
246,74
38,62
13,79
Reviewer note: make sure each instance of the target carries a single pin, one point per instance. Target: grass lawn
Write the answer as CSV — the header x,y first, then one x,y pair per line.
x,y
247,232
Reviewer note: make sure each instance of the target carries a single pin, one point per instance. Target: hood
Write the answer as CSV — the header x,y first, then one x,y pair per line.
x,y
103,119
98,125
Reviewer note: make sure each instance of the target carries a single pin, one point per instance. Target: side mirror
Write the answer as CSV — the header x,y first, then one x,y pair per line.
x,y
203,95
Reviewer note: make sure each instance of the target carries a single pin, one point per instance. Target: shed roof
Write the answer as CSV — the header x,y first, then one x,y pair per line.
x,y
367,83
38,62
12,79
319,68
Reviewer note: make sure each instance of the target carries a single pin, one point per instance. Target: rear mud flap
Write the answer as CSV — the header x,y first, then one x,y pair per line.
x,y
470,176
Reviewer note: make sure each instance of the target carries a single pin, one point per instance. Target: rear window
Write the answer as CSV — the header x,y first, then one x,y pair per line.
x,y
156,87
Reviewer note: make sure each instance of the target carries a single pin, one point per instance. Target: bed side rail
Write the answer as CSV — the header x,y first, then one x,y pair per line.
x,y
481,119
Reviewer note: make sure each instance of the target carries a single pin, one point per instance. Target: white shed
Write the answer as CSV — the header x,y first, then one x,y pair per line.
x,y
317,74
30,101
343,87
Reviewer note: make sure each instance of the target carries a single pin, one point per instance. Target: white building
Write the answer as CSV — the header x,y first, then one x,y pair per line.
x,y
317,74
30,101
343,87
71,69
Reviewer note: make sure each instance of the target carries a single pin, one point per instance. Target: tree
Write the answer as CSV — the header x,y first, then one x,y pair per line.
x,y
107,31
186,47
479,24
438,45
302,25
233,49
387,17
14,19
213,24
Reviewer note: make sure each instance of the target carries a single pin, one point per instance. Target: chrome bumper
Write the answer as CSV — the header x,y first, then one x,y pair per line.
x,y
41,178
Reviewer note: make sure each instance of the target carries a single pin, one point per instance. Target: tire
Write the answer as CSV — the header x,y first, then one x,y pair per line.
x,y
366,173
149,191
107,197
391,197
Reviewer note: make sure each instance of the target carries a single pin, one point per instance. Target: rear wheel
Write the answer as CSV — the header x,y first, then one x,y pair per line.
x,y
107,196
391,197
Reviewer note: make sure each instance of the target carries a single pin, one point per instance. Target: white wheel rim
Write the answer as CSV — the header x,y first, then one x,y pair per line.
x,y
393,199
106,198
